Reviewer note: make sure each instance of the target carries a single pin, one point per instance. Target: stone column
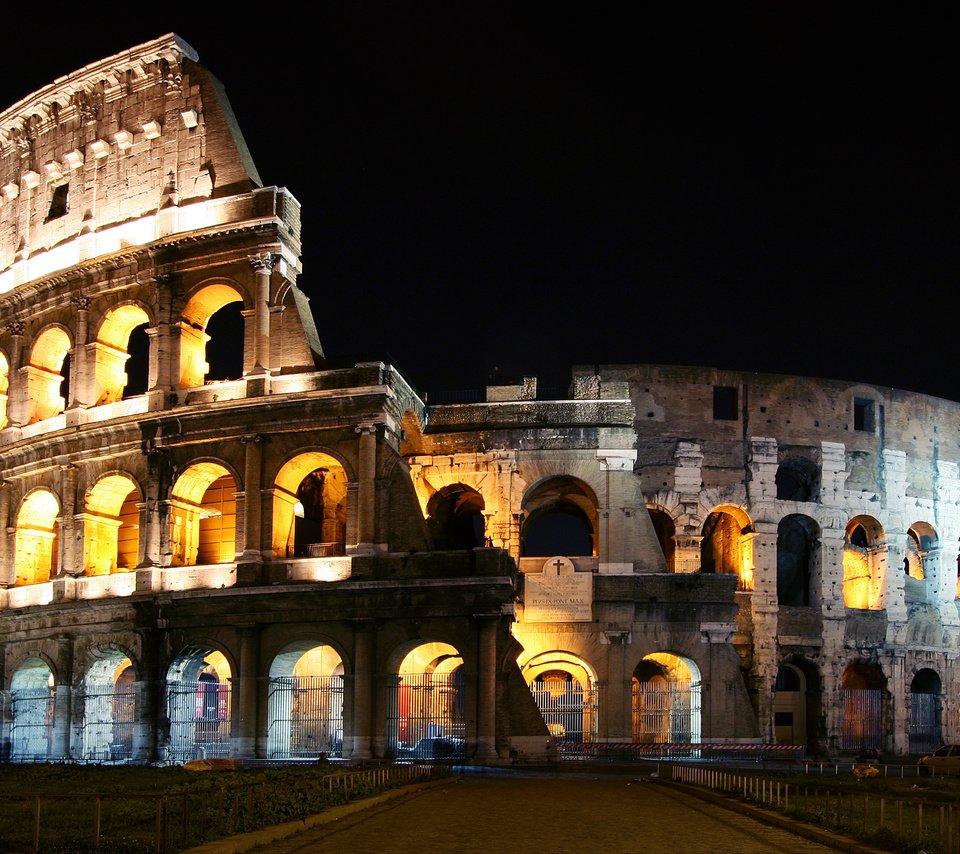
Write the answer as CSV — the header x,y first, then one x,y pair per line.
x,y
16,389
614,709
60,736
363,680
252,504
262,268
70,533
81,379
487,687
149,694
164,372
245,729
366,487
8,575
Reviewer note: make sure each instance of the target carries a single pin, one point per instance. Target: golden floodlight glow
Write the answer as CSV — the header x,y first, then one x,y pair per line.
x,y
43,373
202,525
112,350
35,537
193,339
285,501
103,523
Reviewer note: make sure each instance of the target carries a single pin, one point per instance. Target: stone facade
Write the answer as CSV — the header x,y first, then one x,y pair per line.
x,y
289,560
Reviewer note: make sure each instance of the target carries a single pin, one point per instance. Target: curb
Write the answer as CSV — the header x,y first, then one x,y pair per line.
x,y
808,831
255,838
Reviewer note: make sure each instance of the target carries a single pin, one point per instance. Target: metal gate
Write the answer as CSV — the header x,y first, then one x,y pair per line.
x,y
199,714
305,717
32,724
425,717
925,736
862,719
666,712
108,719
568,709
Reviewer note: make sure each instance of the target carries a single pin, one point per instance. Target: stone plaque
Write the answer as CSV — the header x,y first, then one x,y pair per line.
x,y
558,594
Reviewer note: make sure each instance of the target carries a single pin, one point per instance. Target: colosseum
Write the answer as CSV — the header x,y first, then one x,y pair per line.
x,y
214,544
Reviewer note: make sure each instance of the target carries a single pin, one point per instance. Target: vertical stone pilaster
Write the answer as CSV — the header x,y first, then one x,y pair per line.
x,y
487,687
363,679
366,487
245,705
252,504
82,392
70,531
8,573
616,722
16,391
262,269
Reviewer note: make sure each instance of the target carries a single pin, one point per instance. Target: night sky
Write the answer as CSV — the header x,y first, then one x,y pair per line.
x,y
526,189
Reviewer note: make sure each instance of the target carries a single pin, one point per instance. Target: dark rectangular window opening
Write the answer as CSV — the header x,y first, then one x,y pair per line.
x,y
863,417
59,204
725,403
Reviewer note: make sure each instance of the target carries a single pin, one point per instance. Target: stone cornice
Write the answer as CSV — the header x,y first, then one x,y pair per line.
x,y
76,94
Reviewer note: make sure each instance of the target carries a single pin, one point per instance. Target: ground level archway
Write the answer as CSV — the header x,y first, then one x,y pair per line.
x,y
305,703
198,705
665,700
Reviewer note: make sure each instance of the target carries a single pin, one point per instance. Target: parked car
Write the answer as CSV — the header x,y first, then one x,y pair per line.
x,y
943,760
443,747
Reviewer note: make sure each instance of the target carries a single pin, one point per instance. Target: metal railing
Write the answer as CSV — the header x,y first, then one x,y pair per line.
x,y
886,820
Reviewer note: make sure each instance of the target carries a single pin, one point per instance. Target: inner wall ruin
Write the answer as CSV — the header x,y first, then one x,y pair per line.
x,y
213,545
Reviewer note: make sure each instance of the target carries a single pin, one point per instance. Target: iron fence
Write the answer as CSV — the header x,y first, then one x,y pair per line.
x,y
32,713
109,714
305,717
568,709
199,714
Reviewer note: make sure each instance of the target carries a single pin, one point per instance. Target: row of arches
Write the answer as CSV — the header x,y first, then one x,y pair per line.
x,y
309,518
306,699
118,361
865,707
665,697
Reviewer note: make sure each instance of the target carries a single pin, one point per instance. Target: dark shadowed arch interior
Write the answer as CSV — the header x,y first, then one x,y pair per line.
x,y
666,531
455,517
561,519
796,541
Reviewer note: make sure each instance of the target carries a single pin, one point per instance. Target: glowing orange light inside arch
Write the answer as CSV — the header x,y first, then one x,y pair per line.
x,y
193,339
111,518
113,341
203,516
36,534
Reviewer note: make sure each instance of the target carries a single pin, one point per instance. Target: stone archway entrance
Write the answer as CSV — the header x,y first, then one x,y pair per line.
x,y
565,691
198,705
305,703
665,700
426,705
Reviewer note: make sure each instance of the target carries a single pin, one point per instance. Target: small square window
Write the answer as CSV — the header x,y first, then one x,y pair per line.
x,y
725,403
863,415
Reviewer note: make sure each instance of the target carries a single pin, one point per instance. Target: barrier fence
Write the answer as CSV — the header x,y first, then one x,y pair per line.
x,y
883,820
163,824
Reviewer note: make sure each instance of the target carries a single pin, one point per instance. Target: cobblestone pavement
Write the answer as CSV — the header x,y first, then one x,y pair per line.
x,y
547,814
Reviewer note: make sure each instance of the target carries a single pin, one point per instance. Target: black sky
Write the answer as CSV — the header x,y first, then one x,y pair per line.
x,y
531,189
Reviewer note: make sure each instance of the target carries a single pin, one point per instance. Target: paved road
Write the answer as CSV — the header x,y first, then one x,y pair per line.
x,y
547,814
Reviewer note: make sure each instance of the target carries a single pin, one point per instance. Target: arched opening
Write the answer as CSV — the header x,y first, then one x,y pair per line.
x,y
455,517
921,555
863,564
4,388
665,700
798,559
310,507
109,708
48,374
111,526
727,545
560,518
198,705
198,329
798,479
426,714
113,354
36,540
32,711
796,705
203,516
926,708
305,703
666,532
862,688
789,706
565,691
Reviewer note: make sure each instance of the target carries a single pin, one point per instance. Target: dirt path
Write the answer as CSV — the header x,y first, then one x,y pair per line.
x,y
547,814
